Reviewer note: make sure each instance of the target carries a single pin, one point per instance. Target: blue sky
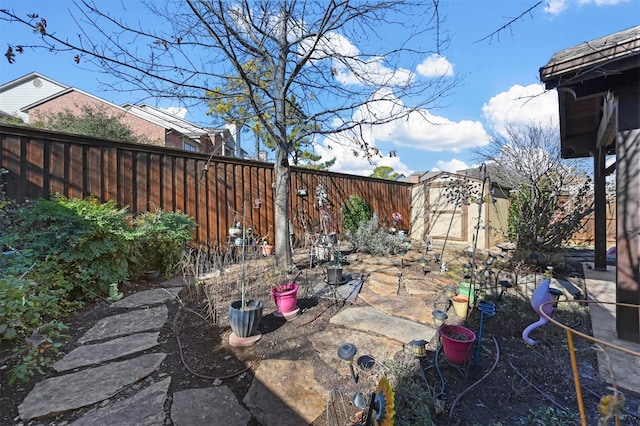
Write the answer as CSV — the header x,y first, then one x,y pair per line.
x,y
498,73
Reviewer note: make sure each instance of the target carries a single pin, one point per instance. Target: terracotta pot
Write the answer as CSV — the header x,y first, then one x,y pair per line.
x,y
267,250
245,322
286,297
460,305
457,342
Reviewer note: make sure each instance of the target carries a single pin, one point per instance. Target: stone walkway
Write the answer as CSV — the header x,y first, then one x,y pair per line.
x,y
283,392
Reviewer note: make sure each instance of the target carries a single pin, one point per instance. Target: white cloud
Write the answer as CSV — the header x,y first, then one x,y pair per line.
x,y
370,72
602,2
555,7
333,44
451,166
521,105
179,112
350,66
417,129
435,66
426,132
342,148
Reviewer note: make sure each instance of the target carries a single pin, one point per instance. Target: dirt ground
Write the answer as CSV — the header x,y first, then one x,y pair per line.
x,y
503,386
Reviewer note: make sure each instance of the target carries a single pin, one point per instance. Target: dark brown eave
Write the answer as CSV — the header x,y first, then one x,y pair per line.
x,y
584,75
603,57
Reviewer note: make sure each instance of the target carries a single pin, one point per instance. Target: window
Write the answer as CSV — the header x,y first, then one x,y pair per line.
x,y
188,147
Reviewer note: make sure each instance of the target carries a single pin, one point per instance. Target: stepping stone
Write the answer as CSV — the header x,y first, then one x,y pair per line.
x,y
285,393
86,387
370,320
327,342
408,307
348,291
101,352
574,291
368,261
128,323
177,281
413,256
208,406
145,408
419,286
155,296
384,283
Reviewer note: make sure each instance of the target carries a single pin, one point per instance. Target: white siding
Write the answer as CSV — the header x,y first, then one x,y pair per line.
x,y
15,97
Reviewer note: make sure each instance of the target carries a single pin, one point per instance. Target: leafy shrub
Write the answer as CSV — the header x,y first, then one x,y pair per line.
x,y
549,416
369,237
355,211
63,251
94,122
8,208
416,403
163,237
33,301
537,212
91,242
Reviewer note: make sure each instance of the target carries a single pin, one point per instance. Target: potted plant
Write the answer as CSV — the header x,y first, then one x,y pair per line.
x,y
285,297
396,217
456,343
267,249
235,230
244,315
152,274
334,269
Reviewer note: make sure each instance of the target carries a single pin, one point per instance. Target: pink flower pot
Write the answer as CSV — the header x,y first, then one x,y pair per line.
x,y
286,297
457,342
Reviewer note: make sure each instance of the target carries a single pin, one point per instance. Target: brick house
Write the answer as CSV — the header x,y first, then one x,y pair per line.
x,y
34,97
18,93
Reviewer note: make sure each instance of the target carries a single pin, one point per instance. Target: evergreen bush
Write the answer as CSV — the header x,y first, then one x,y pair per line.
x,y
355,211
163,237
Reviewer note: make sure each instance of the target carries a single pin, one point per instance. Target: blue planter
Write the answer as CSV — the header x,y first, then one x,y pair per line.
x,y
245,322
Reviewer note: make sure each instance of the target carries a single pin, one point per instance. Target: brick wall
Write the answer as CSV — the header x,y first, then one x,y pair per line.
x,y
74,101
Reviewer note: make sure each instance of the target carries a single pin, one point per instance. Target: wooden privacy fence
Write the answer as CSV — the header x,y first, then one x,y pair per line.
x,y
145,177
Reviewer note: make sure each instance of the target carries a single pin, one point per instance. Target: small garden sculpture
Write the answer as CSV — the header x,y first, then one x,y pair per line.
x,y
540,295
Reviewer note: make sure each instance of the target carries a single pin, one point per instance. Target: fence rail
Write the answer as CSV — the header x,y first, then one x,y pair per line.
x,y
210,189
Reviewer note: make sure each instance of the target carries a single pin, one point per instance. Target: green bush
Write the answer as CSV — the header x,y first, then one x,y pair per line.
x,y
355,211
63,251
163,237
549,416
371,238
33,301
90,242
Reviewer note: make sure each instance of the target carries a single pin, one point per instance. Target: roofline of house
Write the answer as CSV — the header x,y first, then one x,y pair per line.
x,y
26,77
153,120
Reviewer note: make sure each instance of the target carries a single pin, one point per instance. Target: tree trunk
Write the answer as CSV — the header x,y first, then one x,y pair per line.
x,y
282,179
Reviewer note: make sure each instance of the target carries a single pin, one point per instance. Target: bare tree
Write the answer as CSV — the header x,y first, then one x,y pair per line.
x,y
550,196
307,49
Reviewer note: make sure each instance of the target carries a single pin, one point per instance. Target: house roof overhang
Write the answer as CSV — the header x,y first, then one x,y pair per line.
x,y
587,77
